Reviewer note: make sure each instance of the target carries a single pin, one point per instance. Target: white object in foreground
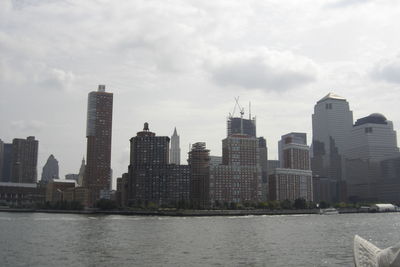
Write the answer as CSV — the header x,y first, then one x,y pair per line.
x,y
367,254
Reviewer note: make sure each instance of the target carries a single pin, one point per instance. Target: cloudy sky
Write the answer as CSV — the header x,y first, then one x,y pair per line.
x,y
182,62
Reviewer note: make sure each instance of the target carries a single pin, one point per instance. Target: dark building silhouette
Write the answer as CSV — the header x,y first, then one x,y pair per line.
x,y
6,160
24,160
99,128
50,169
151,178
199,162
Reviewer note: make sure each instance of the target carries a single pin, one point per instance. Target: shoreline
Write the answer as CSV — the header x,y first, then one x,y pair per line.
x,y
181,213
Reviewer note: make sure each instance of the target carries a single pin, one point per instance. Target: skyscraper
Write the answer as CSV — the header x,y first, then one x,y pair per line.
x,y
50,169
175,152
332,122
372,140
98,132
237,125
294,178
199,162
24,160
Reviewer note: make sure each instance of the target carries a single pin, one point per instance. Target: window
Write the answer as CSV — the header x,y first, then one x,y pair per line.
x,y
368,129
328,106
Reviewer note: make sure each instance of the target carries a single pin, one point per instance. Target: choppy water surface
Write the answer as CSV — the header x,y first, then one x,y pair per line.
x,y
35,239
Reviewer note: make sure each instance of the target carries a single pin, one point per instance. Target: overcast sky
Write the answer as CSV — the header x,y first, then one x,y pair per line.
x,y
182,63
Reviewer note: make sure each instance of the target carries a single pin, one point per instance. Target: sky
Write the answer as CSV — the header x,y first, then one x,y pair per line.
x,y
181,63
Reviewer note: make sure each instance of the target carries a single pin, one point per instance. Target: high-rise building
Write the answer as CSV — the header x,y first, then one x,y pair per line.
x,y
238,179
372,140
199,162
24,160
241,126
294,179
50,169
151,178
175,152
263,152
332,122
294,152
98,133
5,172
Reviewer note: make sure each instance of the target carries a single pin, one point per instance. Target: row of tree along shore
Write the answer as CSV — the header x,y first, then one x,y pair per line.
x,y
286,207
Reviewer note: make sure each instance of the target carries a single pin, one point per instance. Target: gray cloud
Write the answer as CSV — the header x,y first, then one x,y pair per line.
x,y
263,69
387,70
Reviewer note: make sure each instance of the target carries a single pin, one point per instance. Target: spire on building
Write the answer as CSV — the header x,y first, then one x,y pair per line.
x,y
175,151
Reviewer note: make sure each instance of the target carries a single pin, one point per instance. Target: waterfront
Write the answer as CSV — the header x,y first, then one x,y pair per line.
x,y
38,239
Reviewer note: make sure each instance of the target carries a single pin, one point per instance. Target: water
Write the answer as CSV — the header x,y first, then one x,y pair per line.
x,y
35,239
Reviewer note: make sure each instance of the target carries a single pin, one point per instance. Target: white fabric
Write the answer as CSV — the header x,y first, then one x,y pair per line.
x,y
368,255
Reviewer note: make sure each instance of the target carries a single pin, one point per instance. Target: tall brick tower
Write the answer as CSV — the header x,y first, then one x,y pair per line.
x,y
98,133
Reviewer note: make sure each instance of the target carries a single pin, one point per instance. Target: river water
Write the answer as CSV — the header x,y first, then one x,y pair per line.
x,y
38,239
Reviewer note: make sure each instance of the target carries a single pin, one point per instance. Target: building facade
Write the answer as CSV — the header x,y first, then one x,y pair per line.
x,y
332,122
372,140
151,178
24,160
294,179
199,162
98,133
50,169
175,152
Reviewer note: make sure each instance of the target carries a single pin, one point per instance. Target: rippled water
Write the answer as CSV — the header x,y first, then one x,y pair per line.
x,y
35,239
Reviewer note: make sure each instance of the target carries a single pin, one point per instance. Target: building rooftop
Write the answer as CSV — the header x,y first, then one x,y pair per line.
x,y
375,118
332,96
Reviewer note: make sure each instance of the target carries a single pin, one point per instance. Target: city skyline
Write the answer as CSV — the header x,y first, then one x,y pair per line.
x,y
180,69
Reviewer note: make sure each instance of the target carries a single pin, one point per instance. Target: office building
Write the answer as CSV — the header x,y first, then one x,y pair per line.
x,y
175,152
241,126
332,122
50,169
372,140
24,160
98,133
293,179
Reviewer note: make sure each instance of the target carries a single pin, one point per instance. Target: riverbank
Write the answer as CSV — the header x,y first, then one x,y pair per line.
x,y
182,213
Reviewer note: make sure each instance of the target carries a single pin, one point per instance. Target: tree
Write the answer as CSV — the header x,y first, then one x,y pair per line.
x,y
323,205
286,204
106,204
300,203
